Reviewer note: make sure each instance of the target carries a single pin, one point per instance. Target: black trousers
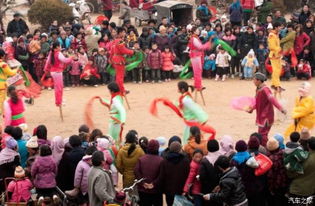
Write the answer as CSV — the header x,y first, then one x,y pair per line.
x,y
108,14
147,199
169,199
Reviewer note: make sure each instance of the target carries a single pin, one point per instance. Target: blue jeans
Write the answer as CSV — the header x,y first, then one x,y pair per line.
x,y
248,72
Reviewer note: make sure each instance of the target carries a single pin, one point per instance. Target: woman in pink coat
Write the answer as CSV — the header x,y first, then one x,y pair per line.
x,y
302,40
197,56
167,64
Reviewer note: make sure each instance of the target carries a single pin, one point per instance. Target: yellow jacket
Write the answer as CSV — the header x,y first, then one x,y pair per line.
x,y
303,112
274,45
5,72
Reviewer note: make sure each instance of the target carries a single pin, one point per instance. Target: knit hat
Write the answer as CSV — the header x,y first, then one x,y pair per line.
x,y
175,147
161,140
305,89
280,139
251,52
272,144
10,143
19,172
260,76
270,26
213,145
32,142
173,139
305,134
153,146
102,143
253,143
241,146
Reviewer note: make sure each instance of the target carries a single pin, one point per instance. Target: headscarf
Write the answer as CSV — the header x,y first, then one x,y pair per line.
x,y
57,147
226,145
8,153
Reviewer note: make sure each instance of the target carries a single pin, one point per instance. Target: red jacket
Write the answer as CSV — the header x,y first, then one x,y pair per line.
x,y
167,59
155,60
248,4
89,71
301,41
75,44
118,51
192,180
107,5
17,109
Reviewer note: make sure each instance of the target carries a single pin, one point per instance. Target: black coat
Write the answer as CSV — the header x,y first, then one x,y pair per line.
x,y
232,190
67,166
247,42
144,41
303,17
18,27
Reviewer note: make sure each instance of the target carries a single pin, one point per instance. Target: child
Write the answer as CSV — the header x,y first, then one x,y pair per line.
x,y
294,155
193,180
232,190
81,178
262,53
39,64
77,42
155,63
83,58
19,188
286,69
53,27
167,66
100,60
131,39
222,62
44,171
89,74
209,65
146,66
304,70
75,71
249,63
162,143
137,72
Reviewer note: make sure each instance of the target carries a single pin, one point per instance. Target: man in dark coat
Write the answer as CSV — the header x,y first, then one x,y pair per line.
x,y
17,25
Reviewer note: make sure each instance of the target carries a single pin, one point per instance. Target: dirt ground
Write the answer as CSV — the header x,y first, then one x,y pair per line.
x,y
218,96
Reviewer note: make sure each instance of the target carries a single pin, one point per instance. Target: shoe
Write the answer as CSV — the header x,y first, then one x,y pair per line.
x,y
95,85
160,81
72,193
49,89
67,89
135,82
40,201
56,199
232,76
140,82
147,81
153,82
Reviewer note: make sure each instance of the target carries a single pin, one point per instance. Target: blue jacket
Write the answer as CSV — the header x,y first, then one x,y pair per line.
x,y
64,44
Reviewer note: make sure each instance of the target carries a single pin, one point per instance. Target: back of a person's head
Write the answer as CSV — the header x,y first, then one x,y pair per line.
x,y
195,132
84,128
311,143
222,162
213,145
17,133
9,130
95,134
97,158
41,132
295,137
45,150
132,136
75,141
90,150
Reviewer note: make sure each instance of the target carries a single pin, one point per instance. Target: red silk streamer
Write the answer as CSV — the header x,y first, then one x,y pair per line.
x,y
88,111
203,127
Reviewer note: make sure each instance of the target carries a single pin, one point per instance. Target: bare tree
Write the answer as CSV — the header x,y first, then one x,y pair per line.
x,y
3,8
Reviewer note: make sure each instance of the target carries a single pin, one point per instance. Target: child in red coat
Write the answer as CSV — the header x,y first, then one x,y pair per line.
x,y
89,74
304,70
167,66
193,183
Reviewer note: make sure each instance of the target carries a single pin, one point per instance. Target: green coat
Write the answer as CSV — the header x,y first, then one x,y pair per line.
x,y
264,11
304,185
287,42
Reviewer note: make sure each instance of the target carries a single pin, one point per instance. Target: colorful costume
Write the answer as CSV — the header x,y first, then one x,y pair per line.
x,y
14,113
189,111
303,111
118,61
56,72
265,102
197,57
5,72
275,58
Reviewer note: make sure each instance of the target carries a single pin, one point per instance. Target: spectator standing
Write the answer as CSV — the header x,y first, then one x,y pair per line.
x,y
236,13
248,7
203,13
305,14
17,26
279,18
264,10
302,40
108,8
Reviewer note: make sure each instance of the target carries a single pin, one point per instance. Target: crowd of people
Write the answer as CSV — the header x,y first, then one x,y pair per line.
x,y
86,166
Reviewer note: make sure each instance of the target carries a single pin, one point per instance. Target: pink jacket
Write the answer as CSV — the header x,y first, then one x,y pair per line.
x,y
167,58
59,64
20,190
75,68
192,180
197,48
81,175
301,41
44,171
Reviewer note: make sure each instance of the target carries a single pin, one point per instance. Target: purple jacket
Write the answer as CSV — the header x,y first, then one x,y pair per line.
x,y
81,176
44,171
148,167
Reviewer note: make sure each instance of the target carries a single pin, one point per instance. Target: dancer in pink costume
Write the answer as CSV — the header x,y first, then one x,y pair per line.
x,y
197,56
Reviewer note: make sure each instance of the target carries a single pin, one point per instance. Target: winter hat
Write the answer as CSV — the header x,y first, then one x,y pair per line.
x,y
305,134
161,140
213,145
102,143
173,139
21,40
272,144
251,52
260,76
270,26
241,146
10,143
280,139
305,89
19,172
153,146
32,142
175,147
253,143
